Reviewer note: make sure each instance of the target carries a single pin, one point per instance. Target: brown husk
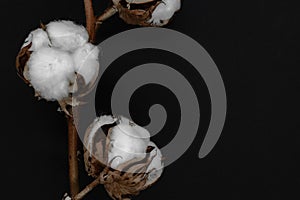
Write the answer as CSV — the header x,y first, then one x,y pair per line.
x,y
21,60
137,14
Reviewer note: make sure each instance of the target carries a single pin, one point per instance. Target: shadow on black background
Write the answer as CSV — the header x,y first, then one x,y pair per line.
x,y
255,46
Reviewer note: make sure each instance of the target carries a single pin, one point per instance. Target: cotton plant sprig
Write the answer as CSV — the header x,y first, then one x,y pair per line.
x,y
60,59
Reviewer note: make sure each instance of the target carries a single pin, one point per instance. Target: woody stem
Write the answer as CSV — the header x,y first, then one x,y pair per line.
x,y
90,19
87,189
72,155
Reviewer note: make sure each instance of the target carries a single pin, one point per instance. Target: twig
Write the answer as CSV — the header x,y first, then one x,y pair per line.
x,y
109,12
87,189
93,24
73,162
90,19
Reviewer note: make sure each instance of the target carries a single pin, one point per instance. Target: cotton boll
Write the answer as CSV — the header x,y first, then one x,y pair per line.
x,y
66,35
86,62
50,72
38,38
164,11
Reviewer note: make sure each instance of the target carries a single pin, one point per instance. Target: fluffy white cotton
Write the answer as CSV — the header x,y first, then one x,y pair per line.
x,y
127,141
38,38
156,164
67,35
164,11
50,72
86,62
129,137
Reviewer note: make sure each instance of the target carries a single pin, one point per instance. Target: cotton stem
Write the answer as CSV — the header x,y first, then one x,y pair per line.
x,y
90,19
87,189
72,155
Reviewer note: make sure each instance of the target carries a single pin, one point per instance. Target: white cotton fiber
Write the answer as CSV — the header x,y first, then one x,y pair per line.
x,y
86,62
50,72
66,35
130,137
38,38
164,11
127,141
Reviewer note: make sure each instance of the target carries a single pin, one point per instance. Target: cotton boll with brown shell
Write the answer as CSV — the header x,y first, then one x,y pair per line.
x,y
137,168
125,141
51,72
53,76
86,59
66,35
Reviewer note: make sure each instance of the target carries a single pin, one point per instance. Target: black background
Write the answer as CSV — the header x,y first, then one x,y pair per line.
x,y
254,44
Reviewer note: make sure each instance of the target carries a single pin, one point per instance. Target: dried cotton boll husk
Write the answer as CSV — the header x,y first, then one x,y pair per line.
x,y
155,168
86,62
136,12
37,38
66,35
51,72
164,12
